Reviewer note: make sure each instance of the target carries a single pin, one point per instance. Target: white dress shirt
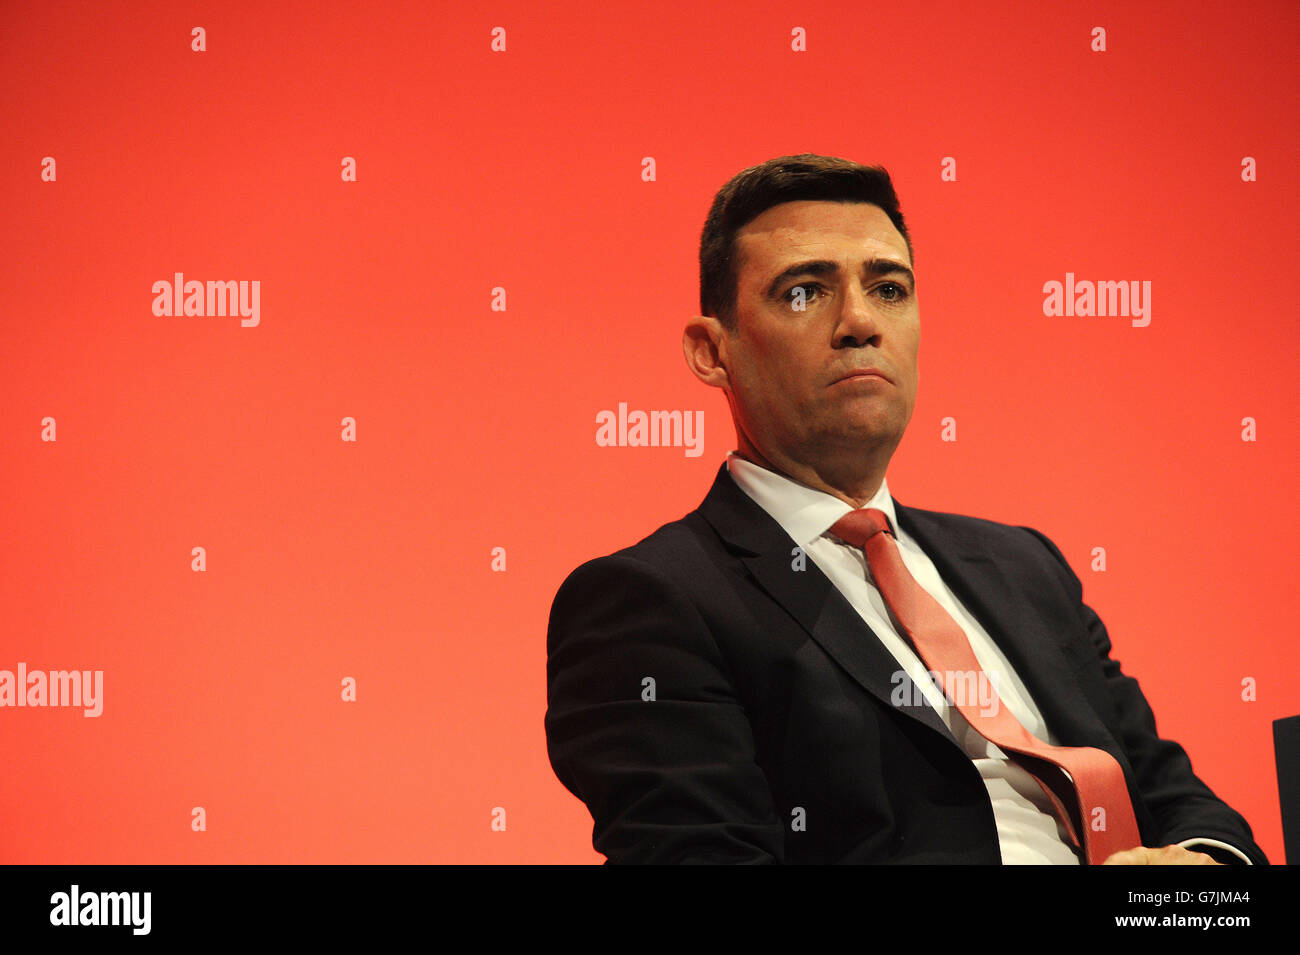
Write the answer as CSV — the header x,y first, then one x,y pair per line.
x,y
1029,832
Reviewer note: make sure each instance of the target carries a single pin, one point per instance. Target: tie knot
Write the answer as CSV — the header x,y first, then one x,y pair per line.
x,y
858,527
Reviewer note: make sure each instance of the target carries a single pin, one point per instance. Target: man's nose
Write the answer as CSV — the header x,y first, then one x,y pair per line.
x,y
857,323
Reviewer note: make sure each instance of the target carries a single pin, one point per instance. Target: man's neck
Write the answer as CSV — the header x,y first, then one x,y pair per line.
x,y
856,485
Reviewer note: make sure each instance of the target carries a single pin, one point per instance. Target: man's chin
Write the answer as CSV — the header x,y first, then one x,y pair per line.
x,y
862,438
867,424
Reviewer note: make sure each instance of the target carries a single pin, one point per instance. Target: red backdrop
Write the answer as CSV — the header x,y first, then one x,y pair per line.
x,y
522,169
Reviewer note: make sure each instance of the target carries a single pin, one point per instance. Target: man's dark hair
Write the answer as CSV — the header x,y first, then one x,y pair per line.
x,y
755,190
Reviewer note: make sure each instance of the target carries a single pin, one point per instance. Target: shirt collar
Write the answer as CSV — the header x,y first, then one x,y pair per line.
x,y
803,512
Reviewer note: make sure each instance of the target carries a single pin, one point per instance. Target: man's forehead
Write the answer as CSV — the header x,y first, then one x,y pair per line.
x,y
794,228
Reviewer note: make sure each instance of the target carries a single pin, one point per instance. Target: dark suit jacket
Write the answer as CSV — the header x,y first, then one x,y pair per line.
x,y
772,696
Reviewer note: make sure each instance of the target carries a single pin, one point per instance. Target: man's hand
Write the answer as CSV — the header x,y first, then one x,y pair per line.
x,y
1165,855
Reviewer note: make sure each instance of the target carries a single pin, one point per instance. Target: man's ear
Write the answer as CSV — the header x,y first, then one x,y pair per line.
x,y
704,345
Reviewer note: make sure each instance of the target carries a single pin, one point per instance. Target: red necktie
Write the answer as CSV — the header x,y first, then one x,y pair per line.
x,y
1098,780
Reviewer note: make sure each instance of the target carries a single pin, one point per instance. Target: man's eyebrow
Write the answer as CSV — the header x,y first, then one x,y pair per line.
x,y
820,267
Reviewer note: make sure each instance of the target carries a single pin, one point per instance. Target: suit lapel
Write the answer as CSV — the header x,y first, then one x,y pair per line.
x,y
980,581
966,565
808,595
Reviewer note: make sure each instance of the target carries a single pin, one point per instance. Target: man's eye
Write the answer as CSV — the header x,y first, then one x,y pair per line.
x,y
891,291
808,291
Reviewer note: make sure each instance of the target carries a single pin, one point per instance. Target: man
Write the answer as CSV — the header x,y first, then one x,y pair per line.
x,y
741,685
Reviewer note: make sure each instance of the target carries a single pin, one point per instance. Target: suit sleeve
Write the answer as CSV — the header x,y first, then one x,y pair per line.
x,y
644,726
1184,808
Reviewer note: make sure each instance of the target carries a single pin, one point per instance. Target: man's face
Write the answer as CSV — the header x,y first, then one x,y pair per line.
x,y
786,366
